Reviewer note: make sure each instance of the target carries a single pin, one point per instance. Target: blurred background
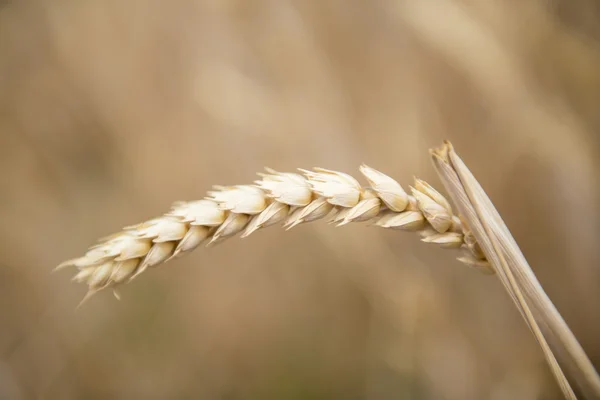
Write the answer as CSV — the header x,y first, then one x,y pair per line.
x,y
112,110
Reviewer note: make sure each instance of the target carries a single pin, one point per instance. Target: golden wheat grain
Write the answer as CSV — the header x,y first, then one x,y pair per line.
x,y
278,197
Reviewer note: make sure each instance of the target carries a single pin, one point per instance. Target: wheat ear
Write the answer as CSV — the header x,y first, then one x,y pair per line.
x,y
278,197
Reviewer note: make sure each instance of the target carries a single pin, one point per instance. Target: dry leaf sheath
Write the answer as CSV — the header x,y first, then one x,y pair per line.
x,y
503,253
277,198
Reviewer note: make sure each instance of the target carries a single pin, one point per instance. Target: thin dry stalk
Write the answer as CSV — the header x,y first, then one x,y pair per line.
x,y
500,248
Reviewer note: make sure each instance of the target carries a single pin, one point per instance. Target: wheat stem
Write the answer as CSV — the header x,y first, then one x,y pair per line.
x,y
547,325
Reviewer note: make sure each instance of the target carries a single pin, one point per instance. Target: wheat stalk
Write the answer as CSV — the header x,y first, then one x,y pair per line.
x,y
278,197
556,340
293,199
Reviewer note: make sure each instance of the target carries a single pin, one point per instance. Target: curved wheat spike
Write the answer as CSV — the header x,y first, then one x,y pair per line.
x,y
277,198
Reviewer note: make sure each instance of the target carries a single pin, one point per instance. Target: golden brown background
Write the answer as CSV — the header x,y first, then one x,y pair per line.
x,y
111,110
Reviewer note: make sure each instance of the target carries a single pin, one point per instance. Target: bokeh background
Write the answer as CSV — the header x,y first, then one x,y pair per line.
x,y
112,110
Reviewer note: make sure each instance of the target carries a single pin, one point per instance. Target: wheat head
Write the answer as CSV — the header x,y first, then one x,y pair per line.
x,y
278,197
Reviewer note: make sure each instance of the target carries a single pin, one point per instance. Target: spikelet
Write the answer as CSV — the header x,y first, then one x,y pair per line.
x,y
436,214
388,190
277,198
287,188
338,188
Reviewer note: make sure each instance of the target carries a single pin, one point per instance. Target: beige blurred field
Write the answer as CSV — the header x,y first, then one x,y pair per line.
x,y
112,110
